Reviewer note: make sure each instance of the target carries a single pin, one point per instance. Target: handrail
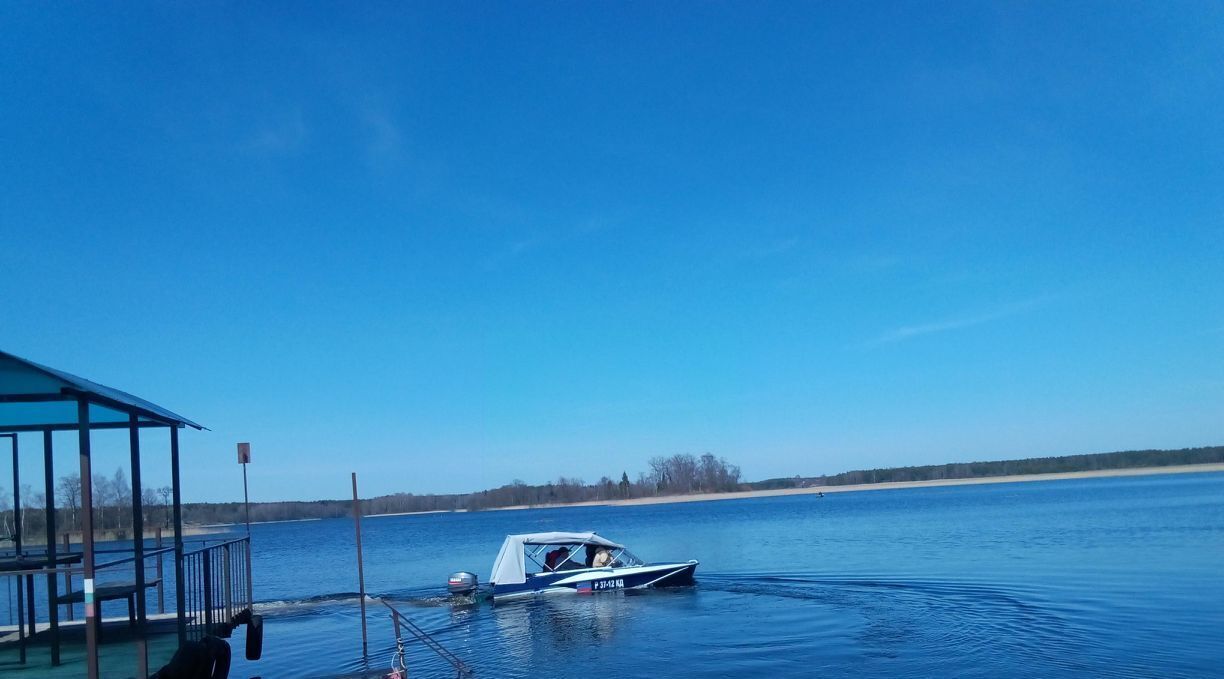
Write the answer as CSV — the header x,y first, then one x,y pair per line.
x,y
74,570
116,562
45,571
42,551
219,544
397,618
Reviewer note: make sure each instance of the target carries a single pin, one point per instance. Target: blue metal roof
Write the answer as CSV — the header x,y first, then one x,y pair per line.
x,y
28,380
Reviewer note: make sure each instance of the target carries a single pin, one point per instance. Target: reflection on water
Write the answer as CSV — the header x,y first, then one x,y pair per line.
x,y
556,625
1116,577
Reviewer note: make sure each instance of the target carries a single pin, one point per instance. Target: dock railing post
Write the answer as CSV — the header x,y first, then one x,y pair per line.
x,y
15,536
68,574
180,592
52,594
161,582
92,621
138,548
250,587
208,607
365,646
228,583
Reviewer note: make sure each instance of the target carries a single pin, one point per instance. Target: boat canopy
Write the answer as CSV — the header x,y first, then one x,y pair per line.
x,y
511,568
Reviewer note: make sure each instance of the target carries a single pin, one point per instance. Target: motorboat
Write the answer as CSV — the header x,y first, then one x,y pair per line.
x,y
583,563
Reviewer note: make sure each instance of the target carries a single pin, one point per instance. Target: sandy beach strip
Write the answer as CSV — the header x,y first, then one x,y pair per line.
x,y
428,511
891,485
257,523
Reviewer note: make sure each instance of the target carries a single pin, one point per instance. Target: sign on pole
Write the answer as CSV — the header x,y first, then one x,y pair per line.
x,y
244,457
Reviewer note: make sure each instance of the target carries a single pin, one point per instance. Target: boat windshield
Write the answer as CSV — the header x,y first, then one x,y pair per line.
x,y
575,556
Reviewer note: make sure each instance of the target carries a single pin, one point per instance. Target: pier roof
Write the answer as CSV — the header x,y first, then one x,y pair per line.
x,y
37,397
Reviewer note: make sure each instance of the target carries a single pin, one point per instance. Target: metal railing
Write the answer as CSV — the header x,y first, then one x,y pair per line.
x,y
401,621
217,586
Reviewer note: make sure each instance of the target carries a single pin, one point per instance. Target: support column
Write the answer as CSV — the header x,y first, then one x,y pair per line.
x,y
180,591
16,498
68,576
52,585
87,541
365,645
21,608
142,647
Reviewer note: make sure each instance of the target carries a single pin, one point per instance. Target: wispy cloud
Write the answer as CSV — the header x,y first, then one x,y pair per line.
x,y
513,251
542,239
383,136
286,135
771,248
591,225
873,263
906,332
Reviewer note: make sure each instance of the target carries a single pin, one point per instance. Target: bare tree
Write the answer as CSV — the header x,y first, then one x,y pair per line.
x,y
682,473
6,508
717,475
165,492
101,499
658,472
647,484
709,473
27,499
148,502
36,504
121,494
69,491
569,490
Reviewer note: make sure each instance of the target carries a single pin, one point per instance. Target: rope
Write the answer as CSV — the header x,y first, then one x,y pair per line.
x,y
399,668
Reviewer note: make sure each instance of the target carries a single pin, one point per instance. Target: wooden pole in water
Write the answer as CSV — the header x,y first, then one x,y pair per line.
x,y
365,648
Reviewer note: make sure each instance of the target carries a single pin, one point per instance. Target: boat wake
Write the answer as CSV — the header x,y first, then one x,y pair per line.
x,y
414,596
944,618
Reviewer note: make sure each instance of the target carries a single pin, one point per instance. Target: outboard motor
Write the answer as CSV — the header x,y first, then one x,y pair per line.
x,y
461,583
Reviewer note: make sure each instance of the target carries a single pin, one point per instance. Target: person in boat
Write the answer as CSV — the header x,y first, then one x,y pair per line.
x,y
602,558
559,560
568,561
555,557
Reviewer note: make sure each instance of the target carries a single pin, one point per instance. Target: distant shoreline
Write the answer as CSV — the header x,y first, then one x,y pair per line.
x,y
890,485
428,511
258,523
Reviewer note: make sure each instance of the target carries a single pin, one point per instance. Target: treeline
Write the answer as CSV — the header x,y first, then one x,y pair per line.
x,y
112,503
1129,459
675,475
678,474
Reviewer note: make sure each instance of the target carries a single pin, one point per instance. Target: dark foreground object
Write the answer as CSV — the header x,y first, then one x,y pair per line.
x,y
208,658
254,638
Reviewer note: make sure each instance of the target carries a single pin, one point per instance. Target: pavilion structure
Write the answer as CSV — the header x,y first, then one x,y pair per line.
x,y
212,585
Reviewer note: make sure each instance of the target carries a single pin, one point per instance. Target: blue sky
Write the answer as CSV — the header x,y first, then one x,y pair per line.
x,y
449,245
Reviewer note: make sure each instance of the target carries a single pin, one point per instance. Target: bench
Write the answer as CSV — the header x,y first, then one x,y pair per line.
x,y
109,592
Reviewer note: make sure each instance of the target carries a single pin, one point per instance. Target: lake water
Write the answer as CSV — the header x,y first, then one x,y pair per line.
x,y
1120,577
1117,577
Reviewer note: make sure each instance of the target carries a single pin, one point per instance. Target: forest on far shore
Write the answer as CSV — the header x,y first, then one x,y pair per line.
x,y
1130,459
681,474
